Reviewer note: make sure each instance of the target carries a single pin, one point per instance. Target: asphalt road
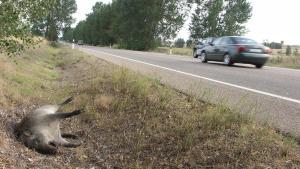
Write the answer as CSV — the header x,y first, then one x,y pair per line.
x,y
269,94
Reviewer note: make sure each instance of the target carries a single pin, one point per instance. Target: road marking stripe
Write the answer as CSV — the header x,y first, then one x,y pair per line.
x,y
201,77
282,68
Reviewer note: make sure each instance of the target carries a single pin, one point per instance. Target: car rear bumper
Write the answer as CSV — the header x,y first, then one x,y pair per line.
x,y
252,58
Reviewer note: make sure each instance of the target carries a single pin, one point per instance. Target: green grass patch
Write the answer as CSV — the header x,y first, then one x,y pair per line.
x,y
26,91
32,75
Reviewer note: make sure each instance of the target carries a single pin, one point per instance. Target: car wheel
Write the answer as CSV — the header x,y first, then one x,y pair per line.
x,y
195,53
203,57
259,66
227,60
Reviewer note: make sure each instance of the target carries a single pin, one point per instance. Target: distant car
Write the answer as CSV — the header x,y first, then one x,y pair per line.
x,y
236,49
80,42
197,50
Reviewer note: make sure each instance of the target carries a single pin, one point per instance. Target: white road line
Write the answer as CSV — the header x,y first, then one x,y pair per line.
x,y
201,77
283,68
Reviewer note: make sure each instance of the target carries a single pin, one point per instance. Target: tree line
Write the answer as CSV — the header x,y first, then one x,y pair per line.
x,y
131,24
144,24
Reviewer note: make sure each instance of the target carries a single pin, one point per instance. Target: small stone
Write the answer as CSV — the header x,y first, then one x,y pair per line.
x,y
288,161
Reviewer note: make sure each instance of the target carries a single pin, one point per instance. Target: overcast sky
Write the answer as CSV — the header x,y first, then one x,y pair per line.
x,y
274,20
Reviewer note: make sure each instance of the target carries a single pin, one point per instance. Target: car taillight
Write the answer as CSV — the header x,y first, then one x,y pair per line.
x,y
241,49
268,50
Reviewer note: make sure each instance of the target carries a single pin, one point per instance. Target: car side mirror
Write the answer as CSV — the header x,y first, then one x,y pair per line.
x,y
211,44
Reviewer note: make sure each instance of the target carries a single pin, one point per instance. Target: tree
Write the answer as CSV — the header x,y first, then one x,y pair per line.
x,y
219,18
172,16
189,43
179,43
58,19
68,34
139,23
16,18
99,24
296,53
288,51
97,29
42,17
80,31
237,13
133,24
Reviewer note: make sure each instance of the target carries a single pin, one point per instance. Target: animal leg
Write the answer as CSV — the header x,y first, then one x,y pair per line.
x,y
72,145
68,135
67,101
47,149
64,115
65,143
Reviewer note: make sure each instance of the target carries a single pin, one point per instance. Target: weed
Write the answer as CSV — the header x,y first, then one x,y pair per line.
x,y
103,102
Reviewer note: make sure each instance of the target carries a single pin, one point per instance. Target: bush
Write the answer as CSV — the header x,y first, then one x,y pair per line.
x,y
179,43
296,53
189,43
54,44
288,51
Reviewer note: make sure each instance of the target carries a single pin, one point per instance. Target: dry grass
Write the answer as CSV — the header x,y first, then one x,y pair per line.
x,y
132,121
152,126
175,51
285,61
102,102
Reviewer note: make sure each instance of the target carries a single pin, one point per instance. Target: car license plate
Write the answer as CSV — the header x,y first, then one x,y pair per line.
x,y
255,50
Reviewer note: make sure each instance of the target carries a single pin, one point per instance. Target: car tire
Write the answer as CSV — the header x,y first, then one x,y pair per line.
x,y
227,60
203,57
195,53
259,66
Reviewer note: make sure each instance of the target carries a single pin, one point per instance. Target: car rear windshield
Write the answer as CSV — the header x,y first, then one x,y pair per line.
x,y
241,40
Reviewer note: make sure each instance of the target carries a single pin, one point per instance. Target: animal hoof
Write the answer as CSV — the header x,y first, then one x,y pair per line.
x,y
79,111
68,100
